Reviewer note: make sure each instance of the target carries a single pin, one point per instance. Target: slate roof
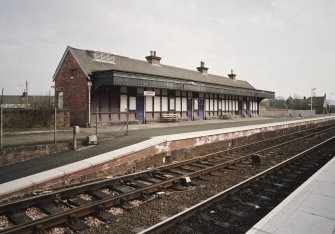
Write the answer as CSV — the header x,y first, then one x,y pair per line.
x,y
318,102
126,64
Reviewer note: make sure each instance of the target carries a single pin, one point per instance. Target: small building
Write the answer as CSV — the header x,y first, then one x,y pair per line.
x,y
115,86
319,104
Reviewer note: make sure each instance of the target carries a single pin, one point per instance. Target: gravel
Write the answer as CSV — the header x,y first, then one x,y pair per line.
x,y
35,213
171,202
85,197
60,230
4,223
93,221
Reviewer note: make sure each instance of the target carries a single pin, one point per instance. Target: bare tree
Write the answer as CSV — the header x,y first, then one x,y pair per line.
x,y
296,96
280,98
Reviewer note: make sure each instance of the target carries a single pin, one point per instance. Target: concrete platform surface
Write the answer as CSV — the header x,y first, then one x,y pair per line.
x,y
309,209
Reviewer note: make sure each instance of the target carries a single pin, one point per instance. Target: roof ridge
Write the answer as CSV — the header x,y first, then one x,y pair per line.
x,y
128,64
143,61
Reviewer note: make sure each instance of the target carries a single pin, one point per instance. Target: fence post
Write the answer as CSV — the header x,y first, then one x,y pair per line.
x,y
55,125
75,133
1,129
127,121
96,122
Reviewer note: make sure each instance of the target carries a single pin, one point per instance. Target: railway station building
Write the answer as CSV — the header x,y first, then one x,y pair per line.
x,y
90,82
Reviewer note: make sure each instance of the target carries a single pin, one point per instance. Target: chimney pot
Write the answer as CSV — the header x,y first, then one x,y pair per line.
x,y
232,75
152,58
202,69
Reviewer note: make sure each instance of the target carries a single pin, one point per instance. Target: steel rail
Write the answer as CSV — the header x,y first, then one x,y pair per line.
x,y
82,188
189,212
93,207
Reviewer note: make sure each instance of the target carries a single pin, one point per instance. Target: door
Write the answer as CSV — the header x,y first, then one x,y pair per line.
x,y
201,108
240,108
140,109
189,109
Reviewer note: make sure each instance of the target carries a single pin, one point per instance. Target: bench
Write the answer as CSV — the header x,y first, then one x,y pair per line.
x,y
170,117
225,116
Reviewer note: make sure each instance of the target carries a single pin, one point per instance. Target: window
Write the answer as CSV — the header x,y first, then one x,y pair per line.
x,y
123,103
102,57
215,104
172,103
148,103
157,104
164,104
60,100
184,104
178,104
132,103
195,104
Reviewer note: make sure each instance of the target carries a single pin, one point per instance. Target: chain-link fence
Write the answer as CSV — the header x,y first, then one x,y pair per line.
x,y
108,125
29,127
20,127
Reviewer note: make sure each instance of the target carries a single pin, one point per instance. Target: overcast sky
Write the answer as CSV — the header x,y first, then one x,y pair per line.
x,y
286,46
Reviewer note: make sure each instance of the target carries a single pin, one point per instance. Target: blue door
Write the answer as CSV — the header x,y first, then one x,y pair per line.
x,y
201,108
140,109
240,108
189,109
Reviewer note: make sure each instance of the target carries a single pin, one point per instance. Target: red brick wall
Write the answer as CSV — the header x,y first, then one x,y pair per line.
x,y
63,119
75,90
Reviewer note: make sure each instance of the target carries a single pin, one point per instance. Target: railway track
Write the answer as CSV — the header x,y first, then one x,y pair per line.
x,y
237,209
69,206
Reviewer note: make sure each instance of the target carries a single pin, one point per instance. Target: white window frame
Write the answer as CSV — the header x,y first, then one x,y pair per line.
x,y
157,104
148,104
165,104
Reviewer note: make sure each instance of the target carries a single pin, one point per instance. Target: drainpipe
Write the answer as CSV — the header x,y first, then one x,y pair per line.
x,y
89,84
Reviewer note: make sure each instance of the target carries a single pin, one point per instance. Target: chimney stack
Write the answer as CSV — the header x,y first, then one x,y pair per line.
x,y
232,75
152,58
202,68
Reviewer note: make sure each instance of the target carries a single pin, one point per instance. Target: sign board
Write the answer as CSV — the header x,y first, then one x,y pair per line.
x,y
149,93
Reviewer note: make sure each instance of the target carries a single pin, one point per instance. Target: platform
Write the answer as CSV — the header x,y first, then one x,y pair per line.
x,y
309,209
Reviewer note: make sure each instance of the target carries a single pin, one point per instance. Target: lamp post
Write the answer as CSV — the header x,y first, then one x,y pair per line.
x,y
89,85
329,101
312,93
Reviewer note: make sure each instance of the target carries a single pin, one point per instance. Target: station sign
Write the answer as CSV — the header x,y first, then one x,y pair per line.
x,y
149,93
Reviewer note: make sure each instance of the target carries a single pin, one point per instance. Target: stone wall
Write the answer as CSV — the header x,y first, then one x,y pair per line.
x,y
273,113
302,113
